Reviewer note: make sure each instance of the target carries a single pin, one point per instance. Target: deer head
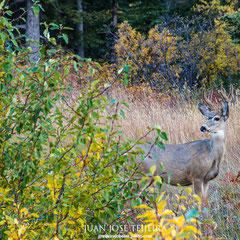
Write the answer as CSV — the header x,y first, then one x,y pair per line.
x,y
217,112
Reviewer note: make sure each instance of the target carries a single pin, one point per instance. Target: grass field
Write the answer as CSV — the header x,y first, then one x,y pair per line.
x,y
182,122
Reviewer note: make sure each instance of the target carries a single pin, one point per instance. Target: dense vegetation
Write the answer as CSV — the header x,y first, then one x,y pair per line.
x,y
65,165
192,42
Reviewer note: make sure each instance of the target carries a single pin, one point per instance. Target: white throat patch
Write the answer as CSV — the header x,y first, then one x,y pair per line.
x,y
220,133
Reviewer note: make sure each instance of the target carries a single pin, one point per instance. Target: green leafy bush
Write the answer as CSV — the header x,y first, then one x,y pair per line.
x,y
61,164
63,158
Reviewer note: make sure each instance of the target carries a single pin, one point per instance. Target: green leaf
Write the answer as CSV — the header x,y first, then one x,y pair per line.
x,y
164,136
125,103
162,166
34,69
157,127
193,213
36,10
2,4
126,68
68,28
134,203
208,221
122,113
53,41
75,66
95,115
14,42
126,78
94,83
65,37
98,65
160,145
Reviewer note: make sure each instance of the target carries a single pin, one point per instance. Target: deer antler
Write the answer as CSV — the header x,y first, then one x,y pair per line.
x,y
217,103
208,100
224,95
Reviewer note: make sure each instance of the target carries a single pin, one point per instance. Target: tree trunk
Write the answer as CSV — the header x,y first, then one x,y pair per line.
x,y
80,29
114,24
33,31
114,15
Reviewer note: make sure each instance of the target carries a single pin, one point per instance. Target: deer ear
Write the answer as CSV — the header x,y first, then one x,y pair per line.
x,y
225,110
204,109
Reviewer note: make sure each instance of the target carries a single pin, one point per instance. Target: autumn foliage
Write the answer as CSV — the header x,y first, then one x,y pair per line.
x,y
63,154
169,56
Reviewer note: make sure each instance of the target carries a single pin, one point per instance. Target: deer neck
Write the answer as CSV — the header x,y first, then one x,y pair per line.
x,y
218,144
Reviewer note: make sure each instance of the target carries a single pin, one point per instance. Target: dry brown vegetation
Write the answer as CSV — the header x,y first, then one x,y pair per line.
x,y
182,123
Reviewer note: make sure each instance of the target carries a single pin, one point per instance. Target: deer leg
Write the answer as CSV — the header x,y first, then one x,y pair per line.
x,y
205,193
198,187
206,228
205,199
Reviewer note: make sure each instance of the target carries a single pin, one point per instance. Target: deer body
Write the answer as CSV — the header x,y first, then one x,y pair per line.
x,y
198,160
194,163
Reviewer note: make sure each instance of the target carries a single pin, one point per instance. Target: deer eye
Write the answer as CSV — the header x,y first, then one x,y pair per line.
x,y
217,119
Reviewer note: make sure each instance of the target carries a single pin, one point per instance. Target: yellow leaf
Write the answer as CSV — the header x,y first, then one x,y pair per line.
x,y
193,220
161,206
191,228
148,214
98,155
183,207
167,212
42,162
71,222
78,160
143,206
178,221
181,221
35,215
189,190
84,152
158,179
79,211
87,161
80,164
77,174
24,210
197,198
159,198
2,222
152,169
20,230
183,197
168,231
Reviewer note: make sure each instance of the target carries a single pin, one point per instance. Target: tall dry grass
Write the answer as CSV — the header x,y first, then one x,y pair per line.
x,y
182,123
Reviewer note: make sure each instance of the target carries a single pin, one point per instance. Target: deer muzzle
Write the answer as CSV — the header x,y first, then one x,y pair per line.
x,y
203,129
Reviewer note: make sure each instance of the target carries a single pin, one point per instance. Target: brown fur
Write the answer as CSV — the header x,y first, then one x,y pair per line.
x,y
191,163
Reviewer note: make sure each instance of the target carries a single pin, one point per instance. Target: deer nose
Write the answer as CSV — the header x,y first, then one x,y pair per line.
x,y
203,129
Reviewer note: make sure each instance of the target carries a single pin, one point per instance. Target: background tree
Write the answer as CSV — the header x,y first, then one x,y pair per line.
x,y
193,23
80,29
33,29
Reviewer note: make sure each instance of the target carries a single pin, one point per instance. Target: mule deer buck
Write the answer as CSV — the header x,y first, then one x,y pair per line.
x,y
195,162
